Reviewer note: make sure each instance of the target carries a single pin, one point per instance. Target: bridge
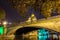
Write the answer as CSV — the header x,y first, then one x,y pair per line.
x,y
52,23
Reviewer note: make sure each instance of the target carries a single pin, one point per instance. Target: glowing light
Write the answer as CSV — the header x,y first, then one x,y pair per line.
x,y
5,22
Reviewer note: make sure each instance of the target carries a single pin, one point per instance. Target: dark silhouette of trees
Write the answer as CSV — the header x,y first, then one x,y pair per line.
x,y
45,6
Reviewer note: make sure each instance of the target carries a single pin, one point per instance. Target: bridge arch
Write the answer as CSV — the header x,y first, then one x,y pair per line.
x,y
29,29
26,29
22,27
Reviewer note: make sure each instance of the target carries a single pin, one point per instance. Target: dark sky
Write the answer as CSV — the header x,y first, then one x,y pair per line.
x,y
13,15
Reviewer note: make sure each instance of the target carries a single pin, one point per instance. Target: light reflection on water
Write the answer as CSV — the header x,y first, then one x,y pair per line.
x,y
42,34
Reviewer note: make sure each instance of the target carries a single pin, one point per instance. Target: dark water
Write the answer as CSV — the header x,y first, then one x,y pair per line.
x,y
42,34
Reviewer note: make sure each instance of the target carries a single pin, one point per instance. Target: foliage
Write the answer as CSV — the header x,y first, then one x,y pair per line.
x,y
2,14
45,6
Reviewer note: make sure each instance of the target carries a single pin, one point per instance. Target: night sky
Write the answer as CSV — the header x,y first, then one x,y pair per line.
x,y
13,15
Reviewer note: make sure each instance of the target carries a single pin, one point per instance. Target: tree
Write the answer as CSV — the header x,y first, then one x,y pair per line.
x,y
2,14
46,9
45,6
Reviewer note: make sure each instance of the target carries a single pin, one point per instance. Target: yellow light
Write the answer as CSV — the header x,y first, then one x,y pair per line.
x,y
4,22
32,15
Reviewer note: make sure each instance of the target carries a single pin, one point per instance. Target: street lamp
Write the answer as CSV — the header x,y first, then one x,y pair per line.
x,y
5,23
5,26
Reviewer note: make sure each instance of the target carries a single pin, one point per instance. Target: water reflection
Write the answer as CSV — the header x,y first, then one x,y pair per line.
x,y
41,34
44,34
